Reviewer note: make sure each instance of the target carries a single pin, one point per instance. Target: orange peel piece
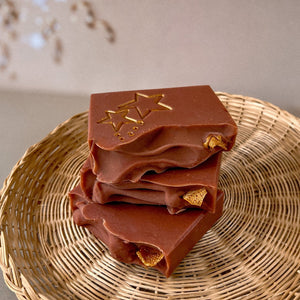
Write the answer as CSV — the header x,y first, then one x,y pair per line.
x,y
213,141
149,256
195,197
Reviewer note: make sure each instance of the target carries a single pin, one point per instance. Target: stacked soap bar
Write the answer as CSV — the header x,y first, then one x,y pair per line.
x,y
149,188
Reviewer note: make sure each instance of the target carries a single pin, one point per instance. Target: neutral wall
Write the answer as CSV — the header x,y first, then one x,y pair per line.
x,y
248,47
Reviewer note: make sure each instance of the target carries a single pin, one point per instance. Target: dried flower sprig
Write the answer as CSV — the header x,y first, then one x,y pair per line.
x,y
91,19
9,16
49,33
4,56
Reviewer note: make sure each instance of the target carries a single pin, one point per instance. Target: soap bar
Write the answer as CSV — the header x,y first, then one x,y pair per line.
x,y
176,188
146,235
132,132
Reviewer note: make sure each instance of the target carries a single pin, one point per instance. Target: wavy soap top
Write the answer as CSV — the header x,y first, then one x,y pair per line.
x,y
129,121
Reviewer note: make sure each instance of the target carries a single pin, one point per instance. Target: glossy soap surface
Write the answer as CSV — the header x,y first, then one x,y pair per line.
x,y
124,228
133,132
166,188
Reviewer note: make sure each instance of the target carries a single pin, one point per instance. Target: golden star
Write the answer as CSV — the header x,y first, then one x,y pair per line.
x,y
117,118
145,104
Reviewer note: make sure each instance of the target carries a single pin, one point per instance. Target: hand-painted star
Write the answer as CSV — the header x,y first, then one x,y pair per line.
x,y
145,104
117,118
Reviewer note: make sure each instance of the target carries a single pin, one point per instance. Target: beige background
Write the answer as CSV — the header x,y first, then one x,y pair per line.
x,y
248,47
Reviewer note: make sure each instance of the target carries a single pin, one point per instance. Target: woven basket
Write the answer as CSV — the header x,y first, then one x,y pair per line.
x,y
253,252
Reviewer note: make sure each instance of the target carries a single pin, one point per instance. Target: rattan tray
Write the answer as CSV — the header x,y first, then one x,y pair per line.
x,y
253,252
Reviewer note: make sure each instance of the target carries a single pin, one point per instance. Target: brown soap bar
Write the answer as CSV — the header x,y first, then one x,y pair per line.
x,y
132,132
146,235
176,188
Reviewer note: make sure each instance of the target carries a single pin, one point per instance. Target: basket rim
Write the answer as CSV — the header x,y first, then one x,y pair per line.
x,y
270,105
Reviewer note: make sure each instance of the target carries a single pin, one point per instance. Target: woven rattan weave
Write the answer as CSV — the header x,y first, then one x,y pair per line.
x,y
253,252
